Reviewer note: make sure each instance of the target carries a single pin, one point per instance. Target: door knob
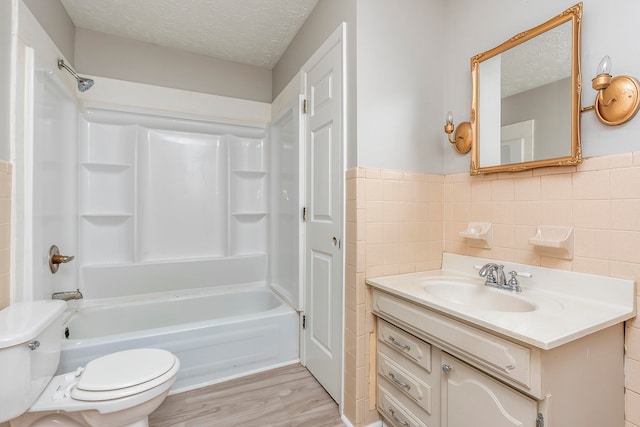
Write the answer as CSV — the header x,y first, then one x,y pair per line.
x,y
55,259
447,368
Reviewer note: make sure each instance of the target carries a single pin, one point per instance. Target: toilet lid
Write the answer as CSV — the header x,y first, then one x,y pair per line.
x,y
125,369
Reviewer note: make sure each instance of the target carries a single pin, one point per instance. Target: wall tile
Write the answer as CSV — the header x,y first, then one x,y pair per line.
x,y
625,214
613,161
625,246
502,190
591,266
633,343
555,187
522,234
528,188
527,213
375,211
591,185
503,212
592,214
632,407
559,212
503,236
592,243
624,183
481,191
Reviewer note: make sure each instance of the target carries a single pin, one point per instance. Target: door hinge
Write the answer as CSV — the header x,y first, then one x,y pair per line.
x,y
304,322
304,106
540,420
304,213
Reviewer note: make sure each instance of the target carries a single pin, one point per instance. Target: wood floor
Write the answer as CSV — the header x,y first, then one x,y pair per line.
x,y
283,397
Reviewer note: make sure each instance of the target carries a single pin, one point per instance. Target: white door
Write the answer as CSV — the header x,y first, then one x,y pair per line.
x,y
323,335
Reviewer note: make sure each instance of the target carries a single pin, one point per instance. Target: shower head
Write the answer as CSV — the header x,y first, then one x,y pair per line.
x,y
84,84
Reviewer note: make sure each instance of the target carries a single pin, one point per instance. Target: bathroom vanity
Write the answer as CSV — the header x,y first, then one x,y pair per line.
x,y
452,352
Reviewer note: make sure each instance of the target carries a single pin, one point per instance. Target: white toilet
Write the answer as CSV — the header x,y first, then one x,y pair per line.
x,y
119,389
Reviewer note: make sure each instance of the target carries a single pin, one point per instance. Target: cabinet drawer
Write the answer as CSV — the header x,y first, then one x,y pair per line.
x,y
397,410
411,347
503,358
407,378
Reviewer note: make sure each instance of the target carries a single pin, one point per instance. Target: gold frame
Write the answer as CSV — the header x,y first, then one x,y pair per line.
x,y
573,14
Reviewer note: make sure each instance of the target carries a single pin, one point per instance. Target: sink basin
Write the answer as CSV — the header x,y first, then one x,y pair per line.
x,y
477,296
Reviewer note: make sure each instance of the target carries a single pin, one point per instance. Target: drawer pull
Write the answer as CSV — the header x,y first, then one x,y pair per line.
x,y
393,341
396,419
398,382
447,368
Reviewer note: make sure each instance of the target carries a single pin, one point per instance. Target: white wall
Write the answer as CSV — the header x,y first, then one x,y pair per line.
x,y
399,87
54,19
609,27
120,58
323,21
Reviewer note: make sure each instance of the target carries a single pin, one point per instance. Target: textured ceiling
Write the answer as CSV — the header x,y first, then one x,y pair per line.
x,y
254,32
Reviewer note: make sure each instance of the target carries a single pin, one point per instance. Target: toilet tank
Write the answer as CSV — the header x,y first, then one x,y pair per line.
x,y
30,337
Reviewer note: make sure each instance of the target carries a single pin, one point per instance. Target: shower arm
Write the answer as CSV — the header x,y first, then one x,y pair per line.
x,y
61,65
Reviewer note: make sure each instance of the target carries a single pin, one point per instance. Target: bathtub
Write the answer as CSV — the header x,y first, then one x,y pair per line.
x,y
217,335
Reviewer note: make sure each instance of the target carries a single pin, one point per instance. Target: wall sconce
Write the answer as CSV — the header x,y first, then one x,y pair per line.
x,y
462,135
617,100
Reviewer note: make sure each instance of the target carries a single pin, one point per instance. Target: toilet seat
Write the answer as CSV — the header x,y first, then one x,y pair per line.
x,y
123,374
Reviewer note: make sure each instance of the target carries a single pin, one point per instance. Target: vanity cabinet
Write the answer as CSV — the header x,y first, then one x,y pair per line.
x,y
434,370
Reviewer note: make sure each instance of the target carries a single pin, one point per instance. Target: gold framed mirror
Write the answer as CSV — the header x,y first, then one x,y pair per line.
x,y
525,110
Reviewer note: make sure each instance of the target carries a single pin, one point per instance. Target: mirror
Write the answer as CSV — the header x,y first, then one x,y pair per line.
x,y
526,99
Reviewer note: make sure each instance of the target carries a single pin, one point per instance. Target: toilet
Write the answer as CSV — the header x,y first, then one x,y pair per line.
x,y
119,389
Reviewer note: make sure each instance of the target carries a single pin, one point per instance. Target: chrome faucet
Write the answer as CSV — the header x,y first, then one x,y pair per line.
x,y
495,277
493,274
67,295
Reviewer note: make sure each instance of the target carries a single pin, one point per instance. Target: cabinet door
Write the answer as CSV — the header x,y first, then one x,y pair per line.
x,y
471,398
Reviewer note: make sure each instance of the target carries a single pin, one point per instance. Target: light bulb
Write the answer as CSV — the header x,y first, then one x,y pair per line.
x,y
605,65
449,118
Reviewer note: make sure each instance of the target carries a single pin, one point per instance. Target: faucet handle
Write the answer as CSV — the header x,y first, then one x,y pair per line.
x,y
513,284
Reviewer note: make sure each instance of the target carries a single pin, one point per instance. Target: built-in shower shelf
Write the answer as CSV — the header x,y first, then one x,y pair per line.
x,y
249,173
249,216
106,217
106,167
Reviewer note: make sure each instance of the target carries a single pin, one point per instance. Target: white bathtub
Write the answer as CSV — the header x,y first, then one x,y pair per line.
x,y
217,335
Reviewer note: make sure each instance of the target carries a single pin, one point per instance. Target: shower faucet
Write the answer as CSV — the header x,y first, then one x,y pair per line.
x,y
67,295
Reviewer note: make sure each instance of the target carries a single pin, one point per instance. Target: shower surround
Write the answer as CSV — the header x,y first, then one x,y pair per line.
x,y
161,189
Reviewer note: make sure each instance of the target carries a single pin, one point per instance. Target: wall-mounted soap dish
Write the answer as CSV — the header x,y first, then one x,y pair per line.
x,y
554,241
478,234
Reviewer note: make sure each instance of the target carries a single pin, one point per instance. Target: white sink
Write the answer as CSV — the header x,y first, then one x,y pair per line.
x,y
477,296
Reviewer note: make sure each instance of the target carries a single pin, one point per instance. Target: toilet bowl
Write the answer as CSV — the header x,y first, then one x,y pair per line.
x,y
118,389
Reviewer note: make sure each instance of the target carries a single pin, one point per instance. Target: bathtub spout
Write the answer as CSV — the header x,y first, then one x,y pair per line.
x,y
67,295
